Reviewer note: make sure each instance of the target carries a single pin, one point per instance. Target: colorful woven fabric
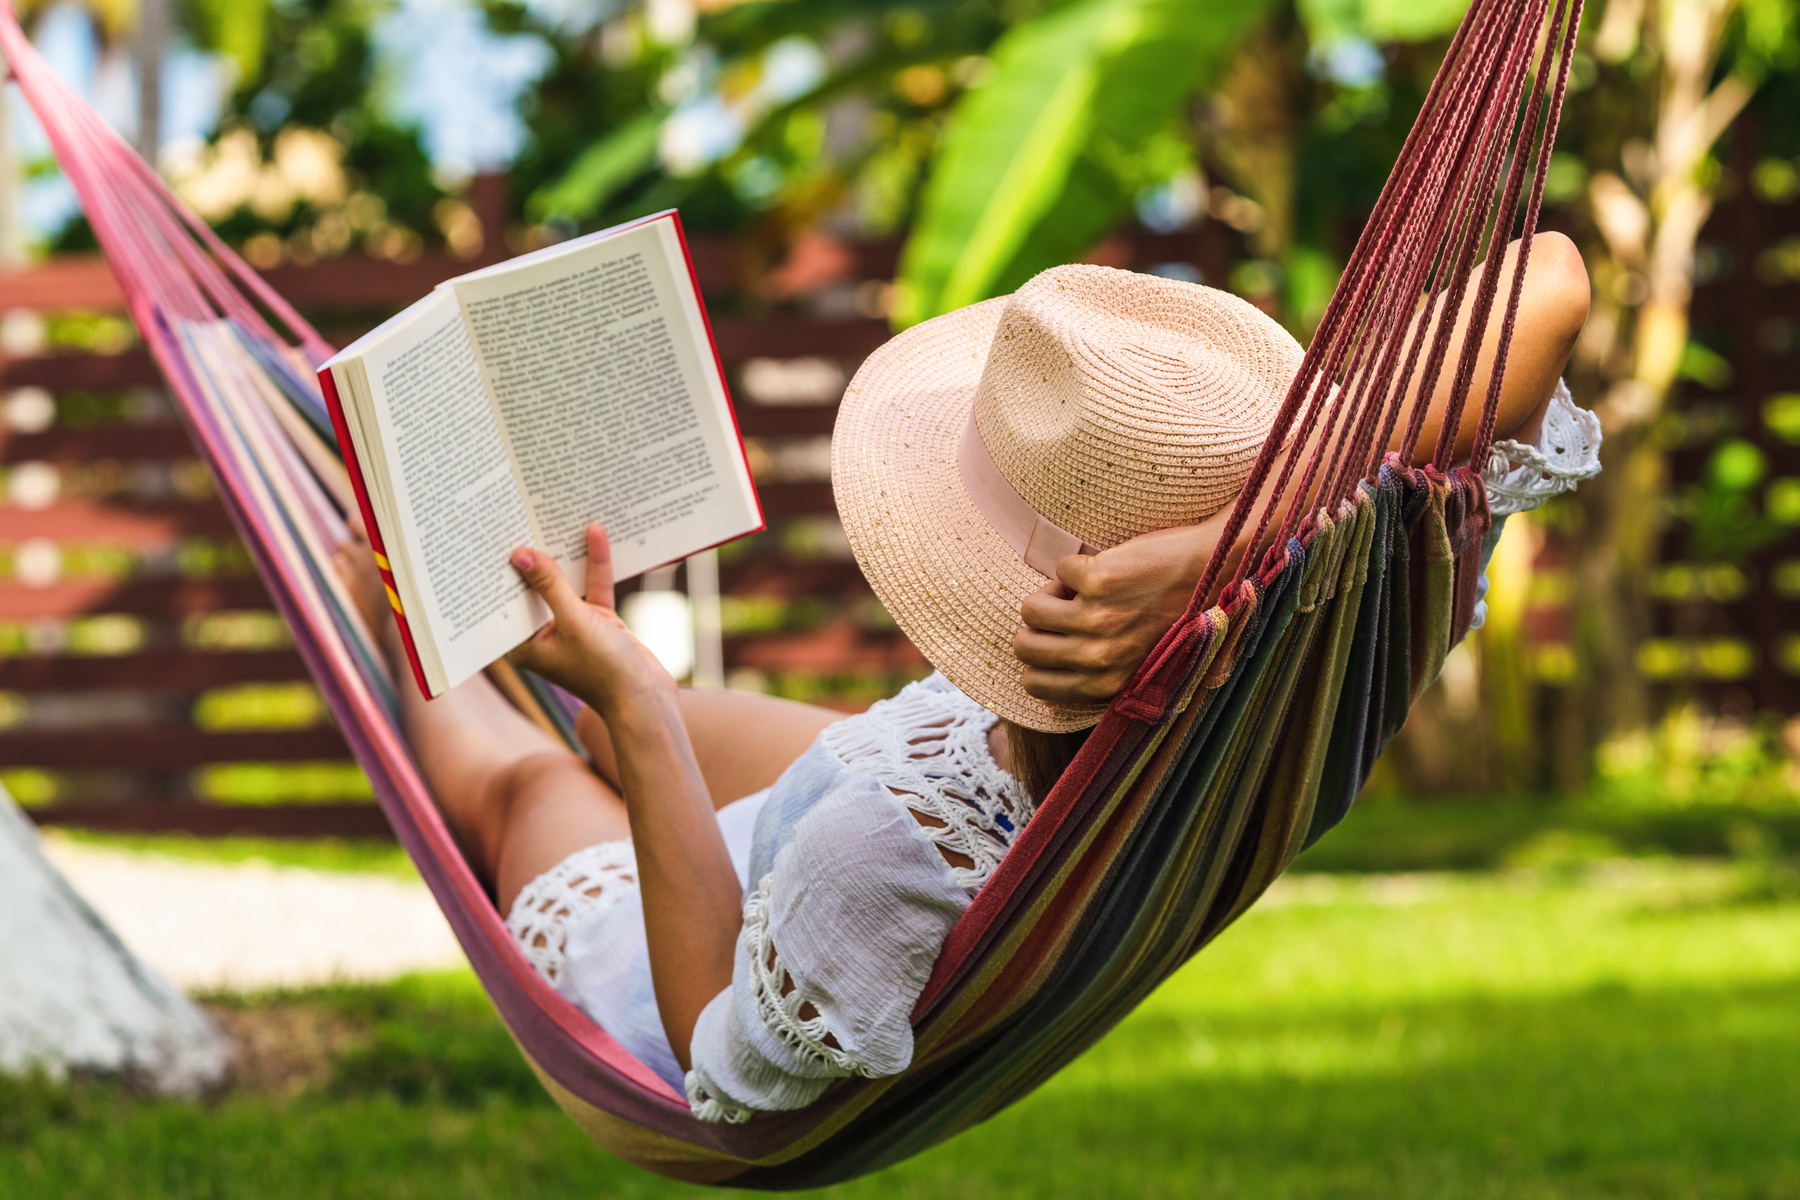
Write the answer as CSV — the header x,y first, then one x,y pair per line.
x,y
1244,737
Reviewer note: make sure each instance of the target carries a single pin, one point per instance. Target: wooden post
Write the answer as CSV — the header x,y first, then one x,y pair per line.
x,y
153,34
12,234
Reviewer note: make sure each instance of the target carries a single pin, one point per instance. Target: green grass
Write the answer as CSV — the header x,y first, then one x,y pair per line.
x,y
1628,1031
319,854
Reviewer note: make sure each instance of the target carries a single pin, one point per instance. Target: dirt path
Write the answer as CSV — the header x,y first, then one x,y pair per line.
x,y
249,926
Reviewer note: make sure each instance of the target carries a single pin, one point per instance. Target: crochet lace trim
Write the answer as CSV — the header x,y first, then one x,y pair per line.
x,y
780,1004
1521,477
930,748
590,880
708,1108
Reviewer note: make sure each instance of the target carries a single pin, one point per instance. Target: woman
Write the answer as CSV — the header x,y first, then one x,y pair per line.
x,y
749,894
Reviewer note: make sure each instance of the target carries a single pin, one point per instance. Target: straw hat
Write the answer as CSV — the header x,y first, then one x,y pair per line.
x,y
975,450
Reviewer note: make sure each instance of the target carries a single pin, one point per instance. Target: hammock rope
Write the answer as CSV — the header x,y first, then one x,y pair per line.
x,y
1245,736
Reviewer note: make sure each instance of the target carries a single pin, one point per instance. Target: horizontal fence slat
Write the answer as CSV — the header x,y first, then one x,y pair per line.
x,y
86,282
162,747
795,499
138,524
80,372
168,669
740,338
349,820
835,649
139,597
160,441
789,578
754,420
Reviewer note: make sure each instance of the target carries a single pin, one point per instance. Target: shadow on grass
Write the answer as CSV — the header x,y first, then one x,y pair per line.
x,y
1480,835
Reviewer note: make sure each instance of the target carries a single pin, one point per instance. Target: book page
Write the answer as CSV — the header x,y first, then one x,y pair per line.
x,y
601,371
454,497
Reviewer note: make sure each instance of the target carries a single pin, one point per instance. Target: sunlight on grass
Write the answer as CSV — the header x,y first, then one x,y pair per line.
x,y
317,854
1629,1031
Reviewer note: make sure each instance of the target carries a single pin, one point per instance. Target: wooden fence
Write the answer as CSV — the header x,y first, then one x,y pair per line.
x,y
146,683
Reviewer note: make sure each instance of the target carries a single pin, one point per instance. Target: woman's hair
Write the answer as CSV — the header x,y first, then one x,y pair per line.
x,y
1039,759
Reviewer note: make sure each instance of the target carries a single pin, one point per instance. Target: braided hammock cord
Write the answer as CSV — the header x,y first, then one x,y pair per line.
x,y
1442,210
239,358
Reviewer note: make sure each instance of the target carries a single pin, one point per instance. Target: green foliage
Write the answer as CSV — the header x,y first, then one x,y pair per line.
x,y
596,119
238,29
601,171
1049,153
312,64
1725,523
1381,20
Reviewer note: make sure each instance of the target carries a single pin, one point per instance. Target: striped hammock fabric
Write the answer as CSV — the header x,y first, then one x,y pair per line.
x,y
1244,737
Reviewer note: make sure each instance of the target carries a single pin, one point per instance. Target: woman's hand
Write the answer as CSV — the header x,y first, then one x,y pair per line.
x,y
693,906
1088,630
586,648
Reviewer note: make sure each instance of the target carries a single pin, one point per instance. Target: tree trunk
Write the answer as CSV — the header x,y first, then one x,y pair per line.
x,y
1648,220
73,998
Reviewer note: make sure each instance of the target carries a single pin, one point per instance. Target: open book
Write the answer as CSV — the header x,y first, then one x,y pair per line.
x,y
517,404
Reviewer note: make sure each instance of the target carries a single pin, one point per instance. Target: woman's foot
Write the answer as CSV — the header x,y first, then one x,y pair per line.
x,y
354,562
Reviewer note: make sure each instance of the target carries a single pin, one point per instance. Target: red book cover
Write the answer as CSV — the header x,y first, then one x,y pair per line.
x,y
348,449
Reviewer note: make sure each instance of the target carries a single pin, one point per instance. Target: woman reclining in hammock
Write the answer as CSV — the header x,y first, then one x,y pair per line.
x,y
748,893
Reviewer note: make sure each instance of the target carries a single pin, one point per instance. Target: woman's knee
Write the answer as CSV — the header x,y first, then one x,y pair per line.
x,y
542,789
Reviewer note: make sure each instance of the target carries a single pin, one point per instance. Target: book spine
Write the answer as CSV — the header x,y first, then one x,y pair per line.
x,y
340,426
687,257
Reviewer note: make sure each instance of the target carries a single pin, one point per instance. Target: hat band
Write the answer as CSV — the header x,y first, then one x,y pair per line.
x,y
1040,541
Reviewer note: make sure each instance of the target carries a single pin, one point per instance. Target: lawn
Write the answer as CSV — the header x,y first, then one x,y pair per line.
x,y
1624,1028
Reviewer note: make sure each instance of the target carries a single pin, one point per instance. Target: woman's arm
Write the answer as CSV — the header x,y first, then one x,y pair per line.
x,y
693,907
1086,631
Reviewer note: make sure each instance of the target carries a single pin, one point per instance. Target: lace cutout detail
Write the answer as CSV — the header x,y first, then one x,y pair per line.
x,y
1520,477
780,1005
590,880
929,747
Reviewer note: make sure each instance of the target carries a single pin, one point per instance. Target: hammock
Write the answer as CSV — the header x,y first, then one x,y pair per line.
x,y
1245,736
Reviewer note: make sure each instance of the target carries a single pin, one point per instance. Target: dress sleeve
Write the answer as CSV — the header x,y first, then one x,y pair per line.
x,y
839,940
1522,477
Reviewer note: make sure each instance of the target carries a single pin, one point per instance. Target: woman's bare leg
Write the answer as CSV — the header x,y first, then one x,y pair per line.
x,y
517,800
743,742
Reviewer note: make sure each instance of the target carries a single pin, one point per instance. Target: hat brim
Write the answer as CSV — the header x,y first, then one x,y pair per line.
x,y
950,581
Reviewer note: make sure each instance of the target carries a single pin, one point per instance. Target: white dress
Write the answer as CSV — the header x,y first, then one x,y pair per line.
x,y
849,895
830,961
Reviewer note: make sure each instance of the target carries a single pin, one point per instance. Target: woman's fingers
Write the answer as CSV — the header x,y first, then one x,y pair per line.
x,y
543,576
599,568
1056,650
1049,611
1071,687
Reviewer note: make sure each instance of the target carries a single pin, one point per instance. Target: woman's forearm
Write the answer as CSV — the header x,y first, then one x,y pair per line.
x,y
1553,307
693,905
692,902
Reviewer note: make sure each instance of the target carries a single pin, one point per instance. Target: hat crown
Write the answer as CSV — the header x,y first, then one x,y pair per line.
x,y
1117,403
